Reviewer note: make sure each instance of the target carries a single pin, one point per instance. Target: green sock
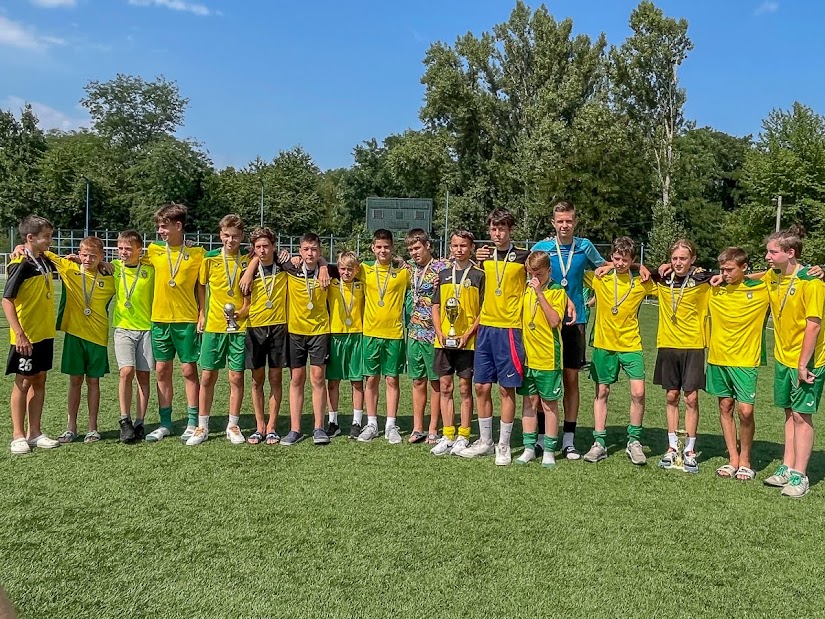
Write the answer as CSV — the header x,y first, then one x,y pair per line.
x,y
600,437
634,433
192,416
165,414
529,439
550,443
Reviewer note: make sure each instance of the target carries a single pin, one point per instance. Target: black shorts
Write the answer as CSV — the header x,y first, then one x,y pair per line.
x,y
267,346
312,348
681,369
573,346
39,361
449,361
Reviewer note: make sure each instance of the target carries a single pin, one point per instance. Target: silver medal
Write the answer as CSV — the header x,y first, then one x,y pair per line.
x,y
564,281
498,292
172,283
614,310
127,305
48,295
532,326
87,312
231,293
269,305
310,305
673,319
380,302
348,322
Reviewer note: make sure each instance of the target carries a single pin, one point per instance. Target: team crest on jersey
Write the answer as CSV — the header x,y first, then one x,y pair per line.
x,y
750,295
691,283
466,283
394,274
144,274
100,284
244,264
357,286
511,257
792,291
186,256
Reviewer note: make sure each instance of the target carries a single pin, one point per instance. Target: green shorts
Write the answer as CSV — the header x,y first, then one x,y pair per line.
x,y
420,357
605,366
382,357
83,358
169,338
802,398
221,349
345,357
544,383
728,382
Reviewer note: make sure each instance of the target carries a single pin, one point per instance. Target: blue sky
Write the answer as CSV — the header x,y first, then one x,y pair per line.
x,y
326,75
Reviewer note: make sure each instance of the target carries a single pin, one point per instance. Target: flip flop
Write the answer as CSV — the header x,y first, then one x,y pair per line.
x,y
272,438
746,473
432,439
93,436
417,436
67,437
726,471
255,438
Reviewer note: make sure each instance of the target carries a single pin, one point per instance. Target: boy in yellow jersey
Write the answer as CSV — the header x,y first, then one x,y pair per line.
x,y
267,339
499,349
383,343
222,321
737,311
423,274
28,303
84,317
456,314
545,303
797,302
618,346
174,316
346,317
132,322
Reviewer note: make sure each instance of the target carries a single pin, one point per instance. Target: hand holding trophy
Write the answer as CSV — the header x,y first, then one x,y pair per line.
x,y
229,314
452,309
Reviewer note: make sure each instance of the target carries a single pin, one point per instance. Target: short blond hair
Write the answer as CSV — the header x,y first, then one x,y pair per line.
x,y
92,242
348,258
537,260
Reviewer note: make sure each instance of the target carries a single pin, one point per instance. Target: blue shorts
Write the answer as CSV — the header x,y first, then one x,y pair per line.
x,y
499,357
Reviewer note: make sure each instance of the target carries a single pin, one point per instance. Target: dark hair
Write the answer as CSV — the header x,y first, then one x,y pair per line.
x,y
417,235
624,246
261,233
310,237
382,234
564,206
131,236
789,239
733,254
33,224
231,221
465,234
501,217
171,213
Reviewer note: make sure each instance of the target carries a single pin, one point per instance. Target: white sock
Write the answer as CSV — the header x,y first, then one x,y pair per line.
x,y
333,417
567,439
234,419
390,423
548,458
357,416
485,428
124,415
690,443
203,422
505,430
672,441
372,420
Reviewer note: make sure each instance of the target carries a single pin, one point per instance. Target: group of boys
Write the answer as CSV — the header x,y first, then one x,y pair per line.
x,y
516,319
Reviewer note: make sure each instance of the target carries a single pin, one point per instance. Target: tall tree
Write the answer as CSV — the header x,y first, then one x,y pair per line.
x,y
22,144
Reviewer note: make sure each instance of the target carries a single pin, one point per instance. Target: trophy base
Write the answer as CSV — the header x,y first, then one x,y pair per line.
x,y
232,329
451,342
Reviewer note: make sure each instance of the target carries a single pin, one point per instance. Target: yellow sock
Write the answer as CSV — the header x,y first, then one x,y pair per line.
x,y
465,432
449,432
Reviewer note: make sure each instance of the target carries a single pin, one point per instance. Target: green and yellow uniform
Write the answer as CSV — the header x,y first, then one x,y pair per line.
x,y
467,286
385,288
175,308
346,316
221,274
542,344
794,299
736,340
84,316
268,303
134,285
688,304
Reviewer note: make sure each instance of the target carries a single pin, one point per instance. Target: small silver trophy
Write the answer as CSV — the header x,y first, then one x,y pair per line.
x,y
229,314
452,309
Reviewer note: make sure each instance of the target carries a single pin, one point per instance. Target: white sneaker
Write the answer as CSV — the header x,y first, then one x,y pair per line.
x,y
199,436
20,446
234,434
158,434
442,447
187,433
369,432
528,455
503,455
393,435
479,448
548,460
460,444
43,442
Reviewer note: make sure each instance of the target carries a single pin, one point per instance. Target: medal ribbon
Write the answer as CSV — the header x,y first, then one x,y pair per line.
x,y
500,276
616,300
87,294
129,290
173,271
565,268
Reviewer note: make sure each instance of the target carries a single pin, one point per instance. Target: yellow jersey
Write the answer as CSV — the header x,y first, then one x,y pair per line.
x,y
84,305
346,305
467,286
134,290
737,315
542,343
793,300
176,303
618,299
30,287
307,309
268,305
506,280
687,330
385,289
221,274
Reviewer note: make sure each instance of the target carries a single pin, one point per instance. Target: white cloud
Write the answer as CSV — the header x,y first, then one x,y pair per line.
x,y
51,4
49,117
16,34
178,5
767,7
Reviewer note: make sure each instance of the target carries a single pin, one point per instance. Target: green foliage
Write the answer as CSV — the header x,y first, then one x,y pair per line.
x,y
22,144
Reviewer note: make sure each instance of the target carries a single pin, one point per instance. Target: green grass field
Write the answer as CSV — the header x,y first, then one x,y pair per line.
x,y
350,530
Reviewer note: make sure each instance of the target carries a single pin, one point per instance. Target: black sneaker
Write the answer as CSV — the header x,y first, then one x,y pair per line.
x,y
333,430
140,432
355,431
570,452
292,438
127,430
319,437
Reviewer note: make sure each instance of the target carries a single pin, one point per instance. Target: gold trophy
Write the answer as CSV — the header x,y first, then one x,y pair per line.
x,y
229,313
452,309
680,449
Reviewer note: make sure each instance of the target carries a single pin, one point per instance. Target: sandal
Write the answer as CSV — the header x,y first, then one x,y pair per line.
x,y
726,471
255,438
745,474
272,438
432,439
67,437
416,437
92,436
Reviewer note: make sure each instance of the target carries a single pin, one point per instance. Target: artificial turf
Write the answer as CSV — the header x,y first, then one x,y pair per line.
x,y
352,530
